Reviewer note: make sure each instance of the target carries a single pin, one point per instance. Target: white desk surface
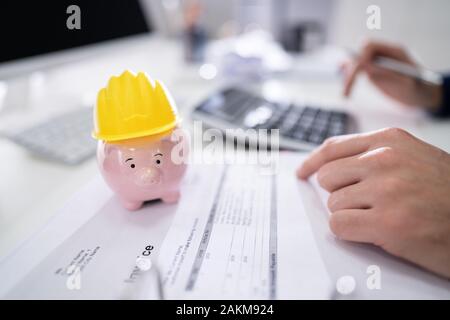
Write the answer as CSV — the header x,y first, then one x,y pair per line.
x,y
33,189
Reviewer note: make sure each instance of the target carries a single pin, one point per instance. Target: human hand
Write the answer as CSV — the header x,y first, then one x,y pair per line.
x,y
388,188
399,87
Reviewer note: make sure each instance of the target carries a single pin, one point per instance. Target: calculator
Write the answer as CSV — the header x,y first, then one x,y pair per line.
x,y
301,126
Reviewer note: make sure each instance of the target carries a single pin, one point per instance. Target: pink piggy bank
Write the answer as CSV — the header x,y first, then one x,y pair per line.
x,y
145,168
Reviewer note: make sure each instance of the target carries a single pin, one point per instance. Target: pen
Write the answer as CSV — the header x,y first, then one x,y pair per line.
x,y
418,73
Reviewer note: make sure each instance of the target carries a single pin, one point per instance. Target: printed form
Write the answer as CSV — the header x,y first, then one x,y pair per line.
x,y
236,233
227,246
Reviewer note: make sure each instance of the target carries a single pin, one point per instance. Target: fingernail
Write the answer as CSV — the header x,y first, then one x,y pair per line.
x,y
300,173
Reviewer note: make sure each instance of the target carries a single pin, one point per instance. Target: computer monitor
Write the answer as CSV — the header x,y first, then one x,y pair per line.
x,y
39,34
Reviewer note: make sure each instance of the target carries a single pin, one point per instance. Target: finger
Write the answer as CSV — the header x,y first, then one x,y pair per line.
x,y
333,149
376,74
355,196
369,52
350,78
354,225
340,173
343,66
374,49
366,56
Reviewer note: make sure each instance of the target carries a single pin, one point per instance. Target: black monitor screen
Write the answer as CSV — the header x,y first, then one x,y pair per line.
x,y
29,28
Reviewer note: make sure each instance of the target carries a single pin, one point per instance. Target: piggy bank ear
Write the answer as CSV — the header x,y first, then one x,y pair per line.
x,y
177,135
166,138
174,135
110,156
110,149
180,150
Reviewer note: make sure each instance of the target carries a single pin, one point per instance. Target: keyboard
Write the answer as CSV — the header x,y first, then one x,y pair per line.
x,y
301,127
65,138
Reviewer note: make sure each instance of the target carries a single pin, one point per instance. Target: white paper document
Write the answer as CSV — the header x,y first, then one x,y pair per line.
x,y
100,260
237,233
253,241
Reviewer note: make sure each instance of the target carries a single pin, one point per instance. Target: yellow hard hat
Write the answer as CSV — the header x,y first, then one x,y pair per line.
x,y
132,106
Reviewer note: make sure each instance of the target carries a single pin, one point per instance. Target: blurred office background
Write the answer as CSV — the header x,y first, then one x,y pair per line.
x,y
297,27
293,46
418,24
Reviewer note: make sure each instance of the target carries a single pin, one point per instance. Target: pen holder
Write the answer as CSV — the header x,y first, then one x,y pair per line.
x,y
142,148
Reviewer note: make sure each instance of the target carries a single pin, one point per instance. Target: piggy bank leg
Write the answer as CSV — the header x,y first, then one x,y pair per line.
x,y
171,197
131,205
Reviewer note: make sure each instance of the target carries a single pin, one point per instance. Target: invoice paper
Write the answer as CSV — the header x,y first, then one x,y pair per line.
x,y
247,237
237,232
110,256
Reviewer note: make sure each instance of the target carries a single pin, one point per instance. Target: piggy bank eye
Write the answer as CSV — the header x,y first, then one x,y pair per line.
x,y
131,165
158,160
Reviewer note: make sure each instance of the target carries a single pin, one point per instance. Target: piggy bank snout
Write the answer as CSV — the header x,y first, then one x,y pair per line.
x,y
148,176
